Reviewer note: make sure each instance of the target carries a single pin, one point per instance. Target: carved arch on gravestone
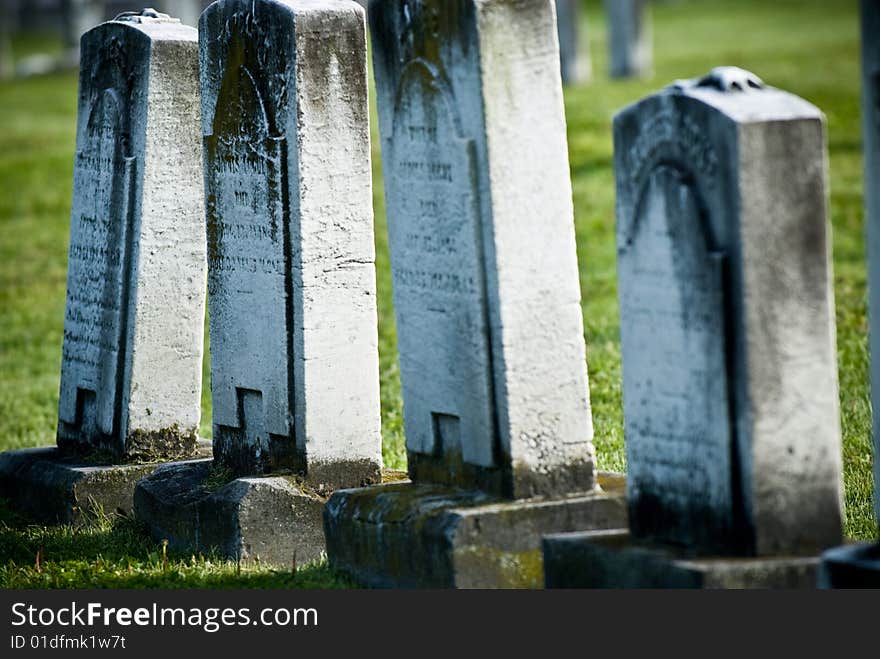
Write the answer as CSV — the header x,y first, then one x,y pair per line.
x,y
438,268
675,337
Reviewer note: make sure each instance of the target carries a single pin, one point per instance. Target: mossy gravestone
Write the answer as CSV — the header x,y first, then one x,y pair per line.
x,y
486,296
727,336
131,369
291,282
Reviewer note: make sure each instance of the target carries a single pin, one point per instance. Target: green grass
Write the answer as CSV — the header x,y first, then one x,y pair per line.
x,y
809,47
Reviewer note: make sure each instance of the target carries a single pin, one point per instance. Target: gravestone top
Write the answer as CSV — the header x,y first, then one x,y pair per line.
x,y
725,79
145,16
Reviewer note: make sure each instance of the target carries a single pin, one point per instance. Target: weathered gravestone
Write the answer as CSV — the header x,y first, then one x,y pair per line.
x,y
728,342
629,38
487,302
131,371
859,565
291,282
574,47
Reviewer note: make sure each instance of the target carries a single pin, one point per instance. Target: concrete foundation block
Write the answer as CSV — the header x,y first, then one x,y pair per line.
x,y
611,559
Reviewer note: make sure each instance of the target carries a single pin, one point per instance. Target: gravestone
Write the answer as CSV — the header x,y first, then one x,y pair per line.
x,y
291,277
131,364
859,565
574,47
728,341
6,62
489,325
629,38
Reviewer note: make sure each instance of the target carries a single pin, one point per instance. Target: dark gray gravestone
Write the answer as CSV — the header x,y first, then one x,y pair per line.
x,y
727,331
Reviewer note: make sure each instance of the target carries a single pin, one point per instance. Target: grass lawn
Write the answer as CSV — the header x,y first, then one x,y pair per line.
x,y
809,47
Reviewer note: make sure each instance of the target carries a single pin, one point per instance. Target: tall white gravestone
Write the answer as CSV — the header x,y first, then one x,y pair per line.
x,y
481,233
727,321
131,370
487,302
630,45
291,284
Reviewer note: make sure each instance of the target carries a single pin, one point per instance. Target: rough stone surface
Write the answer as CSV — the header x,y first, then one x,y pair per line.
x,y
409,535
294,347
270,520
489,324
574,47
727,329
131,370
851,566
610,559
54,488
630,44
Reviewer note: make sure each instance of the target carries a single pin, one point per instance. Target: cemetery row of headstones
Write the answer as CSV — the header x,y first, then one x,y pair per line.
x,y
727,328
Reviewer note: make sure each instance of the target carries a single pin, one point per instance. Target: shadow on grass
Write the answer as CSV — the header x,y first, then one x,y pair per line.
x,y
117,552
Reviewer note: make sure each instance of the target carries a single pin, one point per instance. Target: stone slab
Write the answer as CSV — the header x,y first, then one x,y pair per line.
x,y
407,535
489,323
851,566
131,365
271,520
50,487
730,391
291,258
611,559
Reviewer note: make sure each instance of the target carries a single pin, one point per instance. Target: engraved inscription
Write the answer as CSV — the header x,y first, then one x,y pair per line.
x,y
248,268
676,410
437,269
94,323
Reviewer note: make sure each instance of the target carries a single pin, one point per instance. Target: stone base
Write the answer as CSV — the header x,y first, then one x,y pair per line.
x,y
611,559
270,520
851,566
54,488
406,535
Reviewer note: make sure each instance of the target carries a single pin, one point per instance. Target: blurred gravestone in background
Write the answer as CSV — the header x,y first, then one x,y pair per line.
x,y
574,45
629,38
